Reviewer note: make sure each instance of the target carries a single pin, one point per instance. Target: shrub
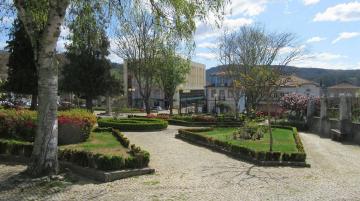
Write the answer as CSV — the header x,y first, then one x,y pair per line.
x,y
133,124
192,135
21,124
250,130
121,138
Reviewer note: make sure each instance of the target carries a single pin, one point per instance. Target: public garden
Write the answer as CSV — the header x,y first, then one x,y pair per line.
x,y
107,100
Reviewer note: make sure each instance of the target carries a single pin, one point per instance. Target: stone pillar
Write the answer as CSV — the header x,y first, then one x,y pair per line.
x,y
324,121
310,110
345,115
108,105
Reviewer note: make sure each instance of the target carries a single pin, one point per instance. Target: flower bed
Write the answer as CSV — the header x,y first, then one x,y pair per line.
x,y
134,124
21,124
253,153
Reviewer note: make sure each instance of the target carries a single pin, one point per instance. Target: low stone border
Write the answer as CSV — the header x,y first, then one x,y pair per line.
x,y
98,175
242,157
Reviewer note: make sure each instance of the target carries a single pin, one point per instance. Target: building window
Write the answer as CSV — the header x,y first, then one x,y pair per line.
x,y
222,95
213,92
230,93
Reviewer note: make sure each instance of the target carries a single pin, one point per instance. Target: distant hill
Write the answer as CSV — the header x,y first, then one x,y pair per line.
x,y
326,76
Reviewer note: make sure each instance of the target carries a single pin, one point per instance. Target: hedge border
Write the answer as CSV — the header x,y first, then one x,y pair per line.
x,y
139,158
149,125
196,124
260,158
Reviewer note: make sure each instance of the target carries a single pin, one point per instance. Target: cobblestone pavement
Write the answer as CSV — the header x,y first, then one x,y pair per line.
x,y
188,172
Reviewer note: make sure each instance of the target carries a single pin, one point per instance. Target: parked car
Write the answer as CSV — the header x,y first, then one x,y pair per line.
x,y
156,108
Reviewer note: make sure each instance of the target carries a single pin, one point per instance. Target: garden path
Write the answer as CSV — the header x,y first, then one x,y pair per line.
x,y
188,172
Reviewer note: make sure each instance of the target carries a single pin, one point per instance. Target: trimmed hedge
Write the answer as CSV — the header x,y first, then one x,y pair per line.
x,y
133,124
138,158
195,124
245,152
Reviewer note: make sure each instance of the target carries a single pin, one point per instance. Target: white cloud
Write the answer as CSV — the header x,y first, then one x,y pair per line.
x,y
232,24
207,45
205,30
325,60
315,39
345,12
247,7
206,55
310,2
346,35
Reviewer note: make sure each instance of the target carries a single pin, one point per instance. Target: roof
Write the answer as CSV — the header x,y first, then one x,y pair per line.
x,y
294,81
344,85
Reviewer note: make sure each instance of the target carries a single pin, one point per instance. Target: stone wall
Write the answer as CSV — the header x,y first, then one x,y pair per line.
x,y
322,125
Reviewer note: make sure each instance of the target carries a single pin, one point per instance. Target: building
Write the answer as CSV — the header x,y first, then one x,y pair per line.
x,y
191,93
294,84
343,89
220,94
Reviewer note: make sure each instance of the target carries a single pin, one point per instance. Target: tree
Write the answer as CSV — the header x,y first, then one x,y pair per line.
x,y
88,71
296,104
138,43
252,50
42,20
22,72
172,71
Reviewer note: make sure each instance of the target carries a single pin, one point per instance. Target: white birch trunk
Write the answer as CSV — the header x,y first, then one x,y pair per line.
x,y
44,159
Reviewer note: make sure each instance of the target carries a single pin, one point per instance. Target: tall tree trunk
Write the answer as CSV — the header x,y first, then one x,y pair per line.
x,y
147,105
108,105
171,105
44,159
269,126
34,101
89,103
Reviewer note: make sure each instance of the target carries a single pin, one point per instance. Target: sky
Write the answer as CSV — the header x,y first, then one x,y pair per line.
x,y
328,31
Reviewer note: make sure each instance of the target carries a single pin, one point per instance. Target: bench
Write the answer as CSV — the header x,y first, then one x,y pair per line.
x,y
337,135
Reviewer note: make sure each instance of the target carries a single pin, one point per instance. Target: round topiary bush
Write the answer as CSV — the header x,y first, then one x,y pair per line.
x,y
134,124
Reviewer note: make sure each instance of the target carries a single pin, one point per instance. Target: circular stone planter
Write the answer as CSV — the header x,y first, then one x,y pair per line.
x,y
134,124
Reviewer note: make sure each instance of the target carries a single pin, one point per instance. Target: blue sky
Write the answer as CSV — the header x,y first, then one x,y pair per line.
x,y
327,30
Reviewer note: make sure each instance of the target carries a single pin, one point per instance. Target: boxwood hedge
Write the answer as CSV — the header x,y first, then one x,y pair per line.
x,y
134,124
138,158
244,152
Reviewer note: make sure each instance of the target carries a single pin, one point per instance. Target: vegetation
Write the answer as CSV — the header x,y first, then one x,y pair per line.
x,y
287,144
88,72
283,139
22,124
102,151
22,72
133,124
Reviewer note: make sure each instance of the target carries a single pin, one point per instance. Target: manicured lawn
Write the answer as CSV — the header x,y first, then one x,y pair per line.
x,y
102,143
283,139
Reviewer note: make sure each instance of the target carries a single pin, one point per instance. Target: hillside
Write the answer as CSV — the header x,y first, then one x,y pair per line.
x,y
328,77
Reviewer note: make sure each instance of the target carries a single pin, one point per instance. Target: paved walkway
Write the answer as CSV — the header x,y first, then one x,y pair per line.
x,y
188,172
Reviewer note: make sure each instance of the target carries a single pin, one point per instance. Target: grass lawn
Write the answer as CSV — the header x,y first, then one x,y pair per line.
x,y
283,139
102,143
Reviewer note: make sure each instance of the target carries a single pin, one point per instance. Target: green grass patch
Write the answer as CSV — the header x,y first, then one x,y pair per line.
x,y
283,139
102,143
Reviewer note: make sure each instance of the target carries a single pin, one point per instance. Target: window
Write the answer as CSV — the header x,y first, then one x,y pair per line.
x,y
230,93
222,95
213,92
